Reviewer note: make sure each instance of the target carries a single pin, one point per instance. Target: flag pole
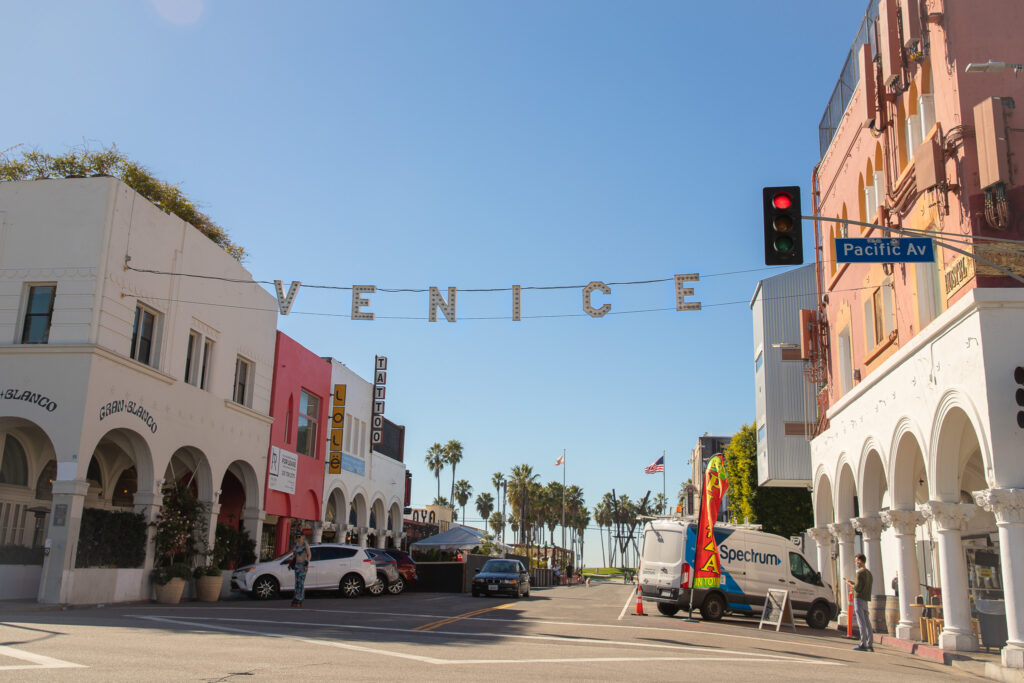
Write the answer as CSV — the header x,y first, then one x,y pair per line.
x,y
664,497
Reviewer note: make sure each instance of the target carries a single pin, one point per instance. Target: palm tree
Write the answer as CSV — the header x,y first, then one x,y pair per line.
x,y
485,505
453,456
462,493
601,517
498,482
519,481
435,462
496,521
553,497
659,504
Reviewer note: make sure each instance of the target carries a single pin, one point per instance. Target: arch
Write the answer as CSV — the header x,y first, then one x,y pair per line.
x,y
912,99
190,466
395,518
245,474
908,470
823,508
846,492
832,249
901,125
360,513
336,507
13,462
119,462
955,440
872,482
378,513
878,167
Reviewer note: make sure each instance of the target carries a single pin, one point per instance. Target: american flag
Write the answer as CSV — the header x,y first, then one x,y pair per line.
x,y
656,466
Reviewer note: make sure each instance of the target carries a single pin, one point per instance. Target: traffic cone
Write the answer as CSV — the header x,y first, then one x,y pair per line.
x,y
639,603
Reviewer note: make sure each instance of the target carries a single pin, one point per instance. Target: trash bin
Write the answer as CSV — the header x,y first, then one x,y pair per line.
x,y
992,623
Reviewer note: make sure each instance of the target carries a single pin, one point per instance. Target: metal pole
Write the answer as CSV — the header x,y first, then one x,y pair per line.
x,y
664,497
563,499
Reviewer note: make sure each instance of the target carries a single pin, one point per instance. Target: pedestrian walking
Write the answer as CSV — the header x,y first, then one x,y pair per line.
x,y
896,584
299,564
861,597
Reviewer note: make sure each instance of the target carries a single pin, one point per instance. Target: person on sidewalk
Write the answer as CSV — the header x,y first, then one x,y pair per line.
x,y
861,598
300,565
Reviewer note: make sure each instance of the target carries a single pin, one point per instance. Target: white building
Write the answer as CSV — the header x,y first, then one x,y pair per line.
x,y
784,397
363,503
116,376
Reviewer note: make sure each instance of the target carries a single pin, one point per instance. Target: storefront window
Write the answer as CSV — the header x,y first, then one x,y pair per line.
x,y
305,436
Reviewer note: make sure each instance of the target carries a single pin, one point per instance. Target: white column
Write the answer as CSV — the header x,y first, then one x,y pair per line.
x,y
843,532
363,533
318,532
905,523
65,525
252,519
147,504
1008,507
822,538
380,535
950,519
871,535
211,528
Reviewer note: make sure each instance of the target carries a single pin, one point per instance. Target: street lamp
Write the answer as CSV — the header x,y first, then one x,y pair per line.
x,y
992,65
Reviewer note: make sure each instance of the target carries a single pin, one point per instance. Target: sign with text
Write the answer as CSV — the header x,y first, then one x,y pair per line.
x,y
884,250
284,466
380,378
337,429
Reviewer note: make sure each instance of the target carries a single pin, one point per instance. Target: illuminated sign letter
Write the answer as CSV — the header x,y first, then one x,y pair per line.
x,y
358,301
587,291
284,303
437,301
683,292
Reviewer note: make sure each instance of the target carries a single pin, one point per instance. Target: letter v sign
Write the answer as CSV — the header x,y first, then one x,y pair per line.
x,y
284,303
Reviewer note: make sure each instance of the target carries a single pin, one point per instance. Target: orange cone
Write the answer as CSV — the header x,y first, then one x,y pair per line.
x,y
639,603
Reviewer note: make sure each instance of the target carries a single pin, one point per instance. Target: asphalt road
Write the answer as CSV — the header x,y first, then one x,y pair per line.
x,y
565,633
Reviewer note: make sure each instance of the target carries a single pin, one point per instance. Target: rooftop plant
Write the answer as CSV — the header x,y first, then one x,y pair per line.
x,y
81,163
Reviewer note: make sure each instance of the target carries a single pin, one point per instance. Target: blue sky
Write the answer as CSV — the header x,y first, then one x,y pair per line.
x,y
477,145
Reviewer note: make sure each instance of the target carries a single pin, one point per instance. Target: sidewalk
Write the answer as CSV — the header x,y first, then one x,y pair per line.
x,y
980,663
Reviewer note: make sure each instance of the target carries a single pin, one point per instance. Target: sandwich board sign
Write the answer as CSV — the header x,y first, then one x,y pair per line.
x,y
777,610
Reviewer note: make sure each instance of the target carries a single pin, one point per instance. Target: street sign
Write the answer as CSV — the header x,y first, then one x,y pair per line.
x,y
884,250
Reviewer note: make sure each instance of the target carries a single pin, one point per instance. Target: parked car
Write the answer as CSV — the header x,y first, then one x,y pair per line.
x,y
502,576
387,571
406,566
342,567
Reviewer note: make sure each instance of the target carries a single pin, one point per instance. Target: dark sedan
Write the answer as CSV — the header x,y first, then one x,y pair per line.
x,y
502,576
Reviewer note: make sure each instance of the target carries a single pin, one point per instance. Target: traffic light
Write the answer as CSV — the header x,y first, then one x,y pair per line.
x,y
783,240
1018,377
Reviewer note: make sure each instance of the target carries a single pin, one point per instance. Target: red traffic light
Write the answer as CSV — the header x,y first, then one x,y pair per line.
x,y
782,200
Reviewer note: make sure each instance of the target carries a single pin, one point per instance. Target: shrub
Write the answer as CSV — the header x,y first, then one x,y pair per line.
x,y
110,538
19,554
161,575
78,163
180,527
233,548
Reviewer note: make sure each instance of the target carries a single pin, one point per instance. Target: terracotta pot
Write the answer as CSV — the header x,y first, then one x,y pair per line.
x,y
208,588
170,592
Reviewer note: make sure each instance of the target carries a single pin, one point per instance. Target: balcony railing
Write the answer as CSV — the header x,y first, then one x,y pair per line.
x,y
848,78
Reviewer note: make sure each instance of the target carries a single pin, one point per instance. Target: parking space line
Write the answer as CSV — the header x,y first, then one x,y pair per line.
x,y
559,639
448,620
37,661
629,599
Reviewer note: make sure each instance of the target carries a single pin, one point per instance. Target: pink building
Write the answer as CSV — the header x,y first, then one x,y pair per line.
x,y
916,455
295,465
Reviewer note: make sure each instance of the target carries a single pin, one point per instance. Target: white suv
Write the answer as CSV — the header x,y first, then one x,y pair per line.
x,y
345,568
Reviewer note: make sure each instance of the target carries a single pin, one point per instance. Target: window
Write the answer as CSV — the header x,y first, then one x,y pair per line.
x,y
879,323
929,297
759,361
799,568
144,335
197,359
38,312
926,108
14,463
878,315
242,393
305,435
761,433
328,552
845,361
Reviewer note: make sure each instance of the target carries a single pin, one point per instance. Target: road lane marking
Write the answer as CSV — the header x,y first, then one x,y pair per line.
x,y
37,661
195,621
632,596
448,620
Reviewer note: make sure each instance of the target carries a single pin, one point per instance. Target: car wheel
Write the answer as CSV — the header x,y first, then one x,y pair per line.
x,y
378,588
265,588
667,609
397,587
818,616
351,586
713,607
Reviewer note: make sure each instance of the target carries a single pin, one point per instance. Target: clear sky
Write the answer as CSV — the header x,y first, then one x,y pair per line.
x,y
409,144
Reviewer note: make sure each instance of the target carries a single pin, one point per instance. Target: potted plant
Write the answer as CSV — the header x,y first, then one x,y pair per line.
x,y
180,533
209,582
170,581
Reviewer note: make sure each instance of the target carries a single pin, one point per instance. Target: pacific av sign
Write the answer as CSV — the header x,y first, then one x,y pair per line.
x,y
884,250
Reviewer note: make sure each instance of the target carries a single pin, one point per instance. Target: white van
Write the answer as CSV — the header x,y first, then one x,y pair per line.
x,y
752,562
